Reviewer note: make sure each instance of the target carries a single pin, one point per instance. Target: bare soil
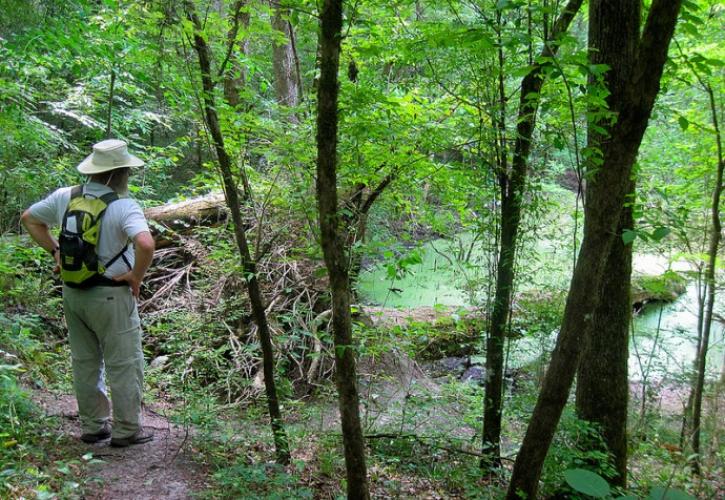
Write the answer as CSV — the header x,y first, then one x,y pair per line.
x,y
390,316
159,469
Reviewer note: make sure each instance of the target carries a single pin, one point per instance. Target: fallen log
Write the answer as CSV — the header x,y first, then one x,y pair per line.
x,y
207,210
170,221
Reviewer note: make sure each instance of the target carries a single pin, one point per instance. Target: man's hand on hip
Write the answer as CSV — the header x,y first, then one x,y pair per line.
x,y
144,245
134,282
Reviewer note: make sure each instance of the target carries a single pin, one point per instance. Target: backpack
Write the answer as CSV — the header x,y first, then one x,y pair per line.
x,y
79,237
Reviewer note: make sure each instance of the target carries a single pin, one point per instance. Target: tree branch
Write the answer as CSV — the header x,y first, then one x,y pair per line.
x,y
652,54
378,191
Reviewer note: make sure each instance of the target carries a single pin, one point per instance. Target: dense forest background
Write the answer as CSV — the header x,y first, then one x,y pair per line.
x,y
390,236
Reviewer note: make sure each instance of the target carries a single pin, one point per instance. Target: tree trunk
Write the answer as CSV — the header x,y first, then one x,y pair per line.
x,y
248,265
283,59
685,432
715,235
109,117
602,392
513,188
235,77
333,246
356,221
606,196
602,385
209,209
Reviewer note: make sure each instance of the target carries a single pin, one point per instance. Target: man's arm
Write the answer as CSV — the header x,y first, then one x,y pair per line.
x,y
40,232
144,253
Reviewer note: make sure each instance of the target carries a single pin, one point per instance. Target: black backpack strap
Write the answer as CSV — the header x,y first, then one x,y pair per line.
x,y
109,198
119,255
97,280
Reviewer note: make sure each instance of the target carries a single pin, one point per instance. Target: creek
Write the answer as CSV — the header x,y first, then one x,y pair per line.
x,y
667,332
454,273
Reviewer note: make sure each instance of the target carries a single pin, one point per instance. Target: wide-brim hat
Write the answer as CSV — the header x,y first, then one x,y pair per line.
x,y
108,155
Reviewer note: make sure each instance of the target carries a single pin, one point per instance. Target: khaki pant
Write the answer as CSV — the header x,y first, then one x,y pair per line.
x,y
105,332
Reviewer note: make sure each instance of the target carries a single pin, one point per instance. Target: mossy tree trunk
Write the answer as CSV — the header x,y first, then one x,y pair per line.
x,y
286,78
513,185
248,264
333,238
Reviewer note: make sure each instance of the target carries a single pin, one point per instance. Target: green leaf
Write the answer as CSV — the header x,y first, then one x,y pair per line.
x,y
684,123
662,493
523,71
587,482
660,233
688,28
628,236
688,4
627,497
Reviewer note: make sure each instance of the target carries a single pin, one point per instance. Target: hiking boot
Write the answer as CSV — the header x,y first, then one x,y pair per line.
x,y
94,437
141,436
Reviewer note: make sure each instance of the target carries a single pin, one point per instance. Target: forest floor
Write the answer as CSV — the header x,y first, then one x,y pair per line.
x,y
168,468
392,316
401,398
159,469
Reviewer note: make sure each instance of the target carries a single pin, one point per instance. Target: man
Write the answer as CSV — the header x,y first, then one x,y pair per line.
x,y
101,314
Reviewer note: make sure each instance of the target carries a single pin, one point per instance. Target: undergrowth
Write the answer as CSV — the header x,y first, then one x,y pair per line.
x,y
424,442
37,458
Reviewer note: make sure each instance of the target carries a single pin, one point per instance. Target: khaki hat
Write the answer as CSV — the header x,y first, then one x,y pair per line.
x,y
108,155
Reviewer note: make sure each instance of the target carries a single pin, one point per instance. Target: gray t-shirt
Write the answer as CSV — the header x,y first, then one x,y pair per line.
x,y
122,222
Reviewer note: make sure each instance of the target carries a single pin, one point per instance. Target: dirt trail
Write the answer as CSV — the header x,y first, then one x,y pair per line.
x,y
150,471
